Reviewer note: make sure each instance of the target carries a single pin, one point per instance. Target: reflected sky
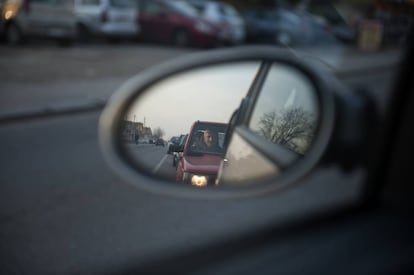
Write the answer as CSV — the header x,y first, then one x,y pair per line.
x,y
207,94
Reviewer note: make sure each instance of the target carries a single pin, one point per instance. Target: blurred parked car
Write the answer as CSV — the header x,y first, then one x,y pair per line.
x,y
286,27
225,16
21,20
334,21
175,22
111,19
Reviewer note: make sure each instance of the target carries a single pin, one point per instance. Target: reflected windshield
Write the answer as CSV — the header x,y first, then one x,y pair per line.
x,y
207,139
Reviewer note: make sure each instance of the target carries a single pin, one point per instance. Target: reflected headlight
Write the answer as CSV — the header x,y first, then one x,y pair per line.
x,y
196,180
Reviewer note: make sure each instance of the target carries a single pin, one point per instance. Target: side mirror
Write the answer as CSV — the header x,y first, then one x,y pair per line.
x,y
290,116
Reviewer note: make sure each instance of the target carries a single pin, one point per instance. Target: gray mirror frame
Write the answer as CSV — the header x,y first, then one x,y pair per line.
x,y
325,84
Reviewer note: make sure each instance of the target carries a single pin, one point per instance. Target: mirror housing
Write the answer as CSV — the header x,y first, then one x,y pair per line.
x,y
333,99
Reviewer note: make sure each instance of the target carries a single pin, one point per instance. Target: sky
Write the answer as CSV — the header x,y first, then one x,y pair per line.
x,y
208,94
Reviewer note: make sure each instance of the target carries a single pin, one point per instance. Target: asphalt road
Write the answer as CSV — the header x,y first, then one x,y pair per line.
x,y
154,158
64,210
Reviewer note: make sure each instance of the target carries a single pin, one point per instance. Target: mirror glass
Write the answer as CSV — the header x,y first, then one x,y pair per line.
x,y
176,128
286,111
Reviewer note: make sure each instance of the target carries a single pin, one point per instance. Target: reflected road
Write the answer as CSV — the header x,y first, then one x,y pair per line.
x,y
155,159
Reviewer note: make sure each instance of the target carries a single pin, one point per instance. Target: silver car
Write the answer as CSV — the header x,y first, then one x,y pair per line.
x,y
53,19
107,18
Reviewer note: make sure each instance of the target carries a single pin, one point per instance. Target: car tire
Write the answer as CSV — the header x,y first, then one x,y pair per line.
x,y
13,35
65,42
83,34
181,38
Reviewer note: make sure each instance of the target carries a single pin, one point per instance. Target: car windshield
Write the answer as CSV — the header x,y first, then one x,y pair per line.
x,y
207,139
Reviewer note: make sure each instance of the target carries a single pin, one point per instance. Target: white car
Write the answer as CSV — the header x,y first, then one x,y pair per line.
x,y
224,15
107,18
21,20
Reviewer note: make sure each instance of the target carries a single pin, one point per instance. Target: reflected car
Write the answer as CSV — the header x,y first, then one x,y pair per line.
x,y
159,142
172,143
177,23
177,154
199,164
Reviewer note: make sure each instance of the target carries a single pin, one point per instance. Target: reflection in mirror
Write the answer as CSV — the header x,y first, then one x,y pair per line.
x,y
158,133
286,111
176,129
284,116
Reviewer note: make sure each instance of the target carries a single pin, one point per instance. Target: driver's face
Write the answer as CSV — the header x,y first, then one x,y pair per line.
x,y
208,138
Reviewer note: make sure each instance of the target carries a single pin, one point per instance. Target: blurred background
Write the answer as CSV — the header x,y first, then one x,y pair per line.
x,y
363,24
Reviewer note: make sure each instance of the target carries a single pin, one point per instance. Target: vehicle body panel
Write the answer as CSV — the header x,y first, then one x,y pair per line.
x,y
160,21
108,18
226,17
44,19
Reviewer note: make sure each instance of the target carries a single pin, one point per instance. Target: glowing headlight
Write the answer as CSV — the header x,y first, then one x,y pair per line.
x,y
199,181
196,180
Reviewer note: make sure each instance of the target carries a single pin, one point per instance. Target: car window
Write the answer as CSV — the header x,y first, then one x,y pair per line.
x,y
152,8
124,3
286,111
89,2
228,10
184,8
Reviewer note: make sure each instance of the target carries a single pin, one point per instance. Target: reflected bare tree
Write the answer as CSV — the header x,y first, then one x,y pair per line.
x,y
293,128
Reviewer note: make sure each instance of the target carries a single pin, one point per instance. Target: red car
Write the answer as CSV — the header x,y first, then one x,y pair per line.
x,y
202,154
176,22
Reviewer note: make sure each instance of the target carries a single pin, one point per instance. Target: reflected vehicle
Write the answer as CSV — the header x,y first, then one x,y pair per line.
x,y
172,143
160,142
177,154
202,155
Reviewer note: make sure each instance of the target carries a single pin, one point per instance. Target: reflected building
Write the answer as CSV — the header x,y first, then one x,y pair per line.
x,y
131,131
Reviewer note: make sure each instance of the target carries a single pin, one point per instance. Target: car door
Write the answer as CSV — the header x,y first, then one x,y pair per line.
x,y
286,128
154,20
